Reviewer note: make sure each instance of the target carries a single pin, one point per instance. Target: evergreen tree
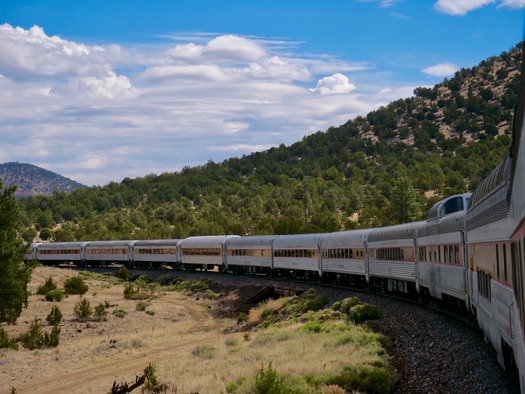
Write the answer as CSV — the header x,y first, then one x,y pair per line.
x,y
404,204
14,274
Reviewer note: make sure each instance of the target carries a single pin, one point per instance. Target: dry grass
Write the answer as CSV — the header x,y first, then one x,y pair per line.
x,y
182,339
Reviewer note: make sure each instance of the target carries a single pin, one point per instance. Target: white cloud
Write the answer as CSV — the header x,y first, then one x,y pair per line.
x,y
440,70
460,7
333,84
516,4
106,112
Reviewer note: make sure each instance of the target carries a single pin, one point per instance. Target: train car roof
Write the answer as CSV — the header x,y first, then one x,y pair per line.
x,y
350,238
298,240
397,232
451,223
157,242
255,240
59,245
205,240
110,243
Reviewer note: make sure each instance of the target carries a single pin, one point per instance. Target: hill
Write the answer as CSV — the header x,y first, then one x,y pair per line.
x,y
384,168
32,180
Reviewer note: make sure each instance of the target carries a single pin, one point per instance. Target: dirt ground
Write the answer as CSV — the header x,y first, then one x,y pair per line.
x,y
92,355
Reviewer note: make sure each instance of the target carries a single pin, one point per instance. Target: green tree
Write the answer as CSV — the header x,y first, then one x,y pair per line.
x,y
404,202
14,274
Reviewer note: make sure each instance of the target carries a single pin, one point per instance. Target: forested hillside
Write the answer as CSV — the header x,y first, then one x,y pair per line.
x,y
385,168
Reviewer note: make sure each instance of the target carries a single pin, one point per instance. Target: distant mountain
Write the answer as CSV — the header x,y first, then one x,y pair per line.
x,y
32,180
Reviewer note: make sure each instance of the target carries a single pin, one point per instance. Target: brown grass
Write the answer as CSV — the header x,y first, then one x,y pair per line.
x,y
182,339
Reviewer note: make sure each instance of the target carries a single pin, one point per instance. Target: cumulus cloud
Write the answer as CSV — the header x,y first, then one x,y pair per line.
x,y
460,7
440,70
102,113
333,84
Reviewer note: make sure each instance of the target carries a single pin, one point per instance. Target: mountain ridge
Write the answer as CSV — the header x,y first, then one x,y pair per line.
x,y
32,180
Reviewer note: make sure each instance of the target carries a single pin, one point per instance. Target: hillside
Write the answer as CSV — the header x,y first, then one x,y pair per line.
x,y
32,180
386,168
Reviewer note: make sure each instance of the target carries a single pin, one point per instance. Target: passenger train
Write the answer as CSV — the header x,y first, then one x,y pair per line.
x,y
470,252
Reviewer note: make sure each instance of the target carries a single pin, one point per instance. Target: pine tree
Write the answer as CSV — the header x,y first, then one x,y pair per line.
x,y
14,274
404,204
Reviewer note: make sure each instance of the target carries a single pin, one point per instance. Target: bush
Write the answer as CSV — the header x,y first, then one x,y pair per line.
x,y
54,295
123,273
6,342
308,301
120,313
366,378
100,312
55,316
268,381
140,290
83,310
35,338
141,306
362,312
345,305
166,279
47,287
75,285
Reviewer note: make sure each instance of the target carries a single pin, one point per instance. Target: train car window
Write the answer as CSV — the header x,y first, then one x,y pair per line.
x,y
456,255
505,276
497,262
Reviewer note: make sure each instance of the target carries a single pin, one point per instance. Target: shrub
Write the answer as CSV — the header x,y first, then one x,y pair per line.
x,y
6,342
141,306
54,295
47,287
241,317
140,290
152,382
83,310
268,381
193,286
100,312
366,378
312,326
362,312
308,301
120,313
166,279
204,351
55,316
35,338
345,305
134,276
123,273
75,285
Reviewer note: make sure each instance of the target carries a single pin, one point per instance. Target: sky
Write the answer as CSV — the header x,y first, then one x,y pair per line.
x,y
98,91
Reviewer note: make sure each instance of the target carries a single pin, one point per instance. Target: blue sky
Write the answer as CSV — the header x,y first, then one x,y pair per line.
x,y
102,90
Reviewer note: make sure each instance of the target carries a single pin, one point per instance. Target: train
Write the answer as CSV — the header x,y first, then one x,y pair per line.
x,y
469,253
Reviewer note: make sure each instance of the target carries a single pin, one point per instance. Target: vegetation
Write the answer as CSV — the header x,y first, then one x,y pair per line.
x,y
54,317
384,168
6,342
83,310
47,287
317,337
36,338
14,274
75,285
